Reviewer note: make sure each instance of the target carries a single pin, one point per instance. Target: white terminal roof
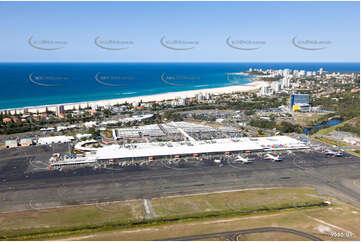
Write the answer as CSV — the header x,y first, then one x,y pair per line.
x,y
192,147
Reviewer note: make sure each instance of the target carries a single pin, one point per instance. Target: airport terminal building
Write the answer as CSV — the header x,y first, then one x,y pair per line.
x,y
156,150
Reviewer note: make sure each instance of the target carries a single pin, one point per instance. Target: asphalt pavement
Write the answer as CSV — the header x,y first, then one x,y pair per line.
x,y
24,187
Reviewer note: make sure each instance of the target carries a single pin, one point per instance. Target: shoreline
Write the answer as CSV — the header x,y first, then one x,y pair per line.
x,y
253,85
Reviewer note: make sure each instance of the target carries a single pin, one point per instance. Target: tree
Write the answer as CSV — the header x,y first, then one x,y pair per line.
x,y
93,132
249,112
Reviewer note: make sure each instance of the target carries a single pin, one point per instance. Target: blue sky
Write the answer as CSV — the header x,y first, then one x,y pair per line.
x,y
272,25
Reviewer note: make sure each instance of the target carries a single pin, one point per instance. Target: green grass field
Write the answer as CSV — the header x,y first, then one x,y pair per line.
x,y
321,222
249,200
330,141
354,152
308,119
89,219
69,217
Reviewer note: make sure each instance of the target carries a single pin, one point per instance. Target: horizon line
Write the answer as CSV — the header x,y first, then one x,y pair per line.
x,y
170,62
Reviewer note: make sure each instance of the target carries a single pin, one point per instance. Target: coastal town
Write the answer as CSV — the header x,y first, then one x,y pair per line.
x,y
277,102
285,122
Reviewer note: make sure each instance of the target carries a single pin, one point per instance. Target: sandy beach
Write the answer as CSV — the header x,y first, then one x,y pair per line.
x,y
148,98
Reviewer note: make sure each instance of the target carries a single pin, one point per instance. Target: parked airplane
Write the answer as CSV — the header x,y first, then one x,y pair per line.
x,y
334,153
244,160
272,157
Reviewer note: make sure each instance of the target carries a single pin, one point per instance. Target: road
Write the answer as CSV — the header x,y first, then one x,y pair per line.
x,y
232,235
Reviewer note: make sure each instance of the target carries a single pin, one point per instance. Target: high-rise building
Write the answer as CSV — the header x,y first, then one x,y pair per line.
x,y
285,82
276,86
94,106
309,73
286,72
60,111
266,91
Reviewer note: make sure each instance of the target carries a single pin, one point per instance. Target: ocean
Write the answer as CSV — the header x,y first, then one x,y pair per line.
x,y
34,84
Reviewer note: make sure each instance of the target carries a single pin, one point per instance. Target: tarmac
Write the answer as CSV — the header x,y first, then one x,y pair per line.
x,y
26,183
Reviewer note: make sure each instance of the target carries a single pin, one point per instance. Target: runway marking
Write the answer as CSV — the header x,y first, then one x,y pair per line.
x,y
35,166
297,165
148,209
273,186
37,209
